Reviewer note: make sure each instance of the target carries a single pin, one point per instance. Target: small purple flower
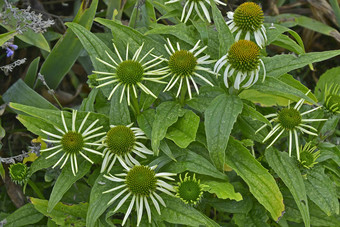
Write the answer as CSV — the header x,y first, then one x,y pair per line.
x,y
13,46
10,49
9,52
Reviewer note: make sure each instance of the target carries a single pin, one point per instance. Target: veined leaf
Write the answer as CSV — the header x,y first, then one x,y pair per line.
x,y
63,214
222,189
284,63
24,216
178,213
321,191
183,132
119,111
276,87
287,170
65,181
166,115
220,117
224,34
261,184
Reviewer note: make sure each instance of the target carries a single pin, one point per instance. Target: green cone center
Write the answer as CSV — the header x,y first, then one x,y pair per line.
x,y
248,16
18,171
289,118
189,191
182,63
120,140
72,142
244,56
130,72
141,180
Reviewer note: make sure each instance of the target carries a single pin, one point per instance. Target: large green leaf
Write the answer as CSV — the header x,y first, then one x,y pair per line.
x,y
23,216
220,117
288,171
19,92
275,87
284,63
318,217
32,71
183,132
65,181
66,51
119,111
321,190
167,114
177,212
145,121
73,215
222,189
224,34
261,184
203,100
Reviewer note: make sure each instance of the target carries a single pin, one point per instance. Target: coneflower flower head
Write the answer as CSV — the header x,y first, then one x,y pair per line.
x,y
131,72
18,173
242,60
307,156
195,4
189,190
246,20
120,143
291,120
72,140
183,66
141,183
332,98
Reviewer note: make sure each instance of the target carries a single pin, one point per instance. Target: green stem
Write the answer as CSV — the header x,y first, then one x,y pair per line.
x,y
35,189
183,94
135,105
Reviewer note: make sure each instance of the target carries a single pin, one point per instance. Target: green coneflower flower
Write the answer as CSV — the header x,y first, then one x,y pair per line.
x,y
332,98
72,141
242,59
307,156
291,120
189,190
183,66
141,183
18,173
248,19
120,142
191,4
130,73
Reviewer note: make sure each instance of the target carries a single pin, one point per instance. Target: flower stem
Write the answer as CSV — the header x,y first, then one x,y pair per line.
x,y
135,105
183,94
35,189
